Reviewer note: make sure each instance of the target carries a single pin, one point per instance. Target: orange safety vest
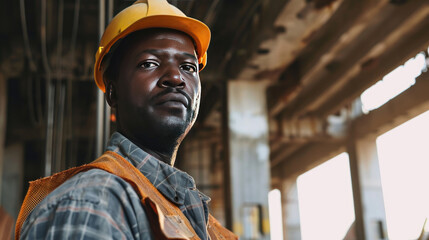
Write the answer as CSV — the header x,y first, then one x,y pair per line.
x,y
167,221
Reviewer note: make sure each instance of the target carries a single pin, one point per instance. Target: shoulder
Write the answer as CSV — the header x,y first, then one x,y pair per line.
x,y
95,200
94,186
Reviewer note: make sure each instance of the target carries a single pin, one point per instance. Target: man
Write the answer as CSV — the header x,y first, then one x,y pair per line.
x,y
148,65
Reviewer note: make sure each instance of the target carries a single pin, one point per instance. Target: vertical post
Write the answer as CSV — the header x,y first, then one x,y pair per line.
x,y
367,189
107,110
103,109
357,196
50,92
292,221
226,161
100,124
49,125
249,158
3,118
374,214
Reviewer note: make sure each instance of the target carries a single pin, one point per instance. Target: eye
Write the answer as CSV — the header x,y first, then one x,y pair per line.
x,y
189,67
148,64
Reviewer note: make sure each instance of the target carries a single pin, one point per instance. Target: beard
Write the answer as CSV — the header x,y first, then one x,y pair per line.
x,y
158,132
155,126
174,123
173,127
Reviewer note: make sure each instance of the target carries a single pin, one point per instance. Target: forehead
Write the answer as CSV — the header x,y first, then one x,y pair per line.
x,y
159,39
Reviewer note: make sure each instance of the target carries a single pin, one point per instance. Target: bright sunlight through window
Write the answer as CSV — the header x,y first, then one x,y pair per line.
x,y
326,200
275,211
393,83
404,166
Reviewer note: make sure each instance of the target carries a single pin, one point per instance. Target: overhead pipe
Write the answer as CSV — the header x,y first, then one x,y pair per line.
x,y
49,94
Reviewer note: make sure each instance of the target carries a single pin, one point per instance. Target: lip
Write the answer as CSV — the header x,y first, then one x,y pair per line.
x,y
172,97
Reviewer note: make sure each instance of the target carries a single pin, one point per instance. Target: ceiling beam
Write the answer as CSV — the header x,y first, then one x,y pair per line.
x,y
407,105
339,28
286,151
280,93
386,22
243,40
348,14
405,47
328,80
306,158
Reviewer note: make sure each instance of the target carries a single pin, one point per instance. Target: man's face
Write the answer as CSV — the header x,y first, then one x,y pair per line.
x,y
158,85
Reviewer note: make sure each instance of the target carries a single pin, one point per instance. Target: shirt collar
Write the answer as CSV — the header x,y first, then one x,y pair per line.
x,y
170,181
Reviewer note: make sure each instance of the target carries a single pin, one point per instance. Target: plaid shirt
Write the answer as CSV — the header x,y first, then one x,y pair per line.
x,y
98,205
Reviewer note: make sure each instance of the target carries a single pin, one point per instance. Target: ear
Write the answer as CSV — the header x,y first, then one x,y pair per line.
x,y
110,94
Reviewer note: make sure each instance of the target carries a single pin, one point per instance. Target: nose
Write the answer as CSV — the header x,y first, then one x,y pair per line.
x,y
172,79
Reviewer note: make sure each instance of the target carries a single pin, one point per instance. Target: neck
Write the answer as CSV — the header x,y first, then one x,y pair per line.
x,y
164,150
166,157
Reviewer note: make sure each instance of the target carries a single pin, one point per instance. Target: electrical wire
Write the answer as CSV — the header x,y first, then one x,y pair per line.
x,y
69,126
38,101
30,101
28,52
43,41
60,90
34,102
36,115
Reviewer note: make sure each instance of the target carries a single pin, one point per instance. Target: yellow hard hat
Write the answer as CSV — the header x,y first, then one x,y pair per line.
x,y
145,14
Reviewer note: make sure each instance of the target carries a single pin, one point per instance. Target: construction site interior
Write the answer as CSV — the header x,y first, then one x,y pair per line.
x,y
314,118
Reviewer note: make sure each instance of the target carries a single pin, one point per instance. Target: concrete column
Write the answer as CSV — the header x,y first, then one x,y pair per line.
x,y
292,225
249,158
3,117
370,214
12,179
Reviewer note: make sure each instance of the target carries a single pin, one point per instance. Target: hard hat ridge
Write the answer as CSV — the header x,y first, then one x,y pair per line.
x,y
144,14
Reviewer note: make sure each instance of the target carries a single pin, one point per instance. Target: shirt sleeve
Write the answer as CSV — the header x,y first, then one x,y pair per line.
x,y
99,206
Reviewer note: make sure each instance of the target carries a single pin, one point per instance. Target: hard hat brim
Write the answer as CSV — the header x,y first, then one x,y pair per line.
x,y
197,30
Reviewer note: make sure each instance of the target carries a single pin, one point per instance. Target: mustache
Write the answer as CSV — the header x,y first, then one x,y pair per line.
x,y
173,90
